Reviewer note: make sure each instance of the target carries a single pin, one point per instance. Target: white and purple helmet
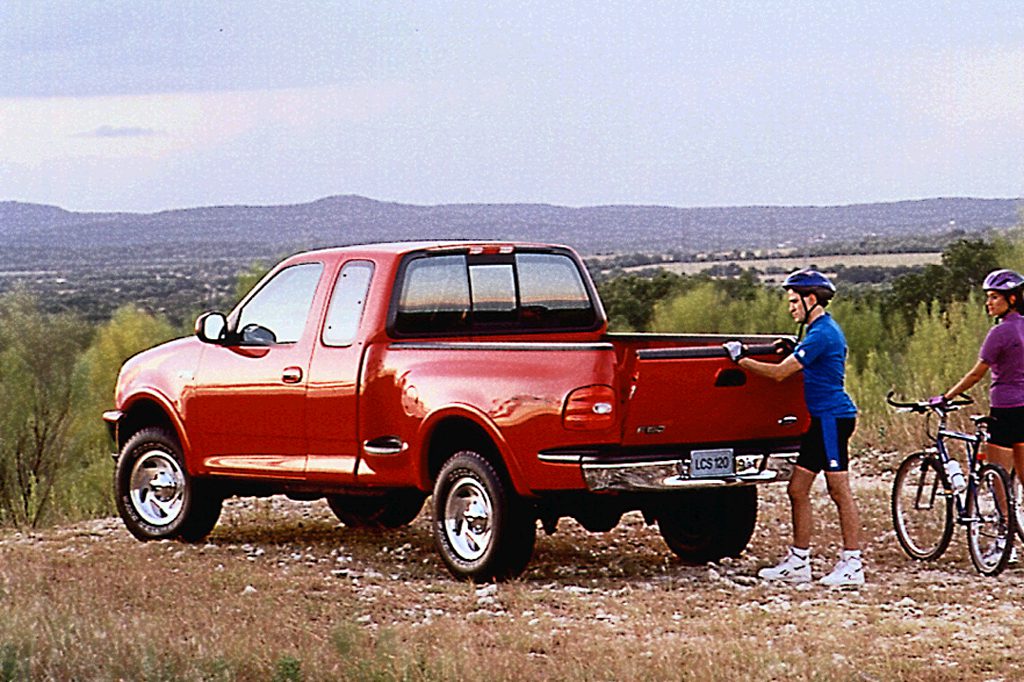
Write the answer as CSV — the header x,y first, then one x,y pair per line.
x,y
1002,281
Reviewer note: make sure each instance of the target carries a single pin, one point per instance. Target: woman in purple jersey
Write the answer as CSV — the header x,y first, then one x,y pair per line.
x,y
1003,353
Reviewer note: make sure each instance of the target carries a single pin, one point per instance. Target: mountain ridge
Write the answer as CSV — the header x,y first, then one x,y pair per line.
x,y
613,228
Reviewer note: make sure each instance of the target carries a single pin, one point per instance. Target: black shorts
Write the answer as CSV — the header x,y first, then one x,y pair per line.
x,y
1007,426
826,444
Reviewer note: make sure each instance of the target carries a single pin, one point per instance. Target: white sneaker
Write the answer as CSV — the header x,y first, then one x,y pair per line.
x,y
792,569
846,573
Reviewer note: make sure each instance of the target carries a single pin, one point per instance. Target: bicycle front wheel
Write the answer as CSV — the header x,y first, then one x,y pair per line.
x,y
922,507
990,514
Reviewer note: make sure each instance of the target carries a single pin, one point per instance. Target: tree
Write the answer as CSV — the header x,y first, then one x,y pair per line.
x,y
629,300
37,359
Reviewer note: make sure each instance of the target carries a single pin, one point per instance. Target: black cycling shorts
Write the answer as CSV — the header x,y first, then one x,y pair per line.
x,y
1007,426
825,446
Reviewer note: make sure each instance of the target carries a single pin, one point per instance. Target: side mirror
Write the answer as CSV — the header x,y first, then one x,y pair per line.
x,y
211,327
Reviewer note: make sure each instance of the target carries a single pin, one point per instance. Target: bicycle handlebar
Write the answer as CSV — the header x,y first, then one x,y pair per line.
x,y
923,405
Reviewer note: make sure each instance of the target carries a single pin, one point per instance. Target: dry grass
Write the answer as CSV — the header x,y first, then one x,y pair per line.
x,y
282,592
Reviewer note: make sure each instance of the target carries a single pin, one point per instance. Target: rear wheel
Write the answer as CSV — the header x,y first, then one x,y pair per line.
x,y
482,529
155,495
991,521
390,510
922,507
707,525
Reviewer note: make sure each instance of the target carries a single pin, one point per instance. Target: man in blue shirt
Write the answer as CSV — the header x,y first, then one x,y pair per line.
x,y
821,356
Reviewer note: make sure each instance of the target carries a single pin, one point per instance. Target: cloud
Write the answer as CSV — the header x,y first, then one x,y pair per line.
x,y
35,129
123,131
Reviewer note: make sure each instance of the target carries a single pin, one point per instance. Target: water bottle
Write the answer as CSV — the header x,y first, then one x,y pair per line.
x,y
955,475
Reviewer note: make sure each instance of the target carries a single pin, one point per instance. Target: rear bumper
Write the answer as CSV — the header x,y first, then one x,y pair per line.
x,y
671,474
611,468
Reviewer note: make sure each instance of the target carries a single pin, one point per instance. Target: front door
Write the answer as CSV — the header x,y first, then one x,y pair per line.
x,y
247,412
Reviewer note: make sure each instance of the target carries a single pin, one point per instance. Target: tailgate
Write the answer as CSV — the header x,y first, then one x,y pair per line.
x,y
697,395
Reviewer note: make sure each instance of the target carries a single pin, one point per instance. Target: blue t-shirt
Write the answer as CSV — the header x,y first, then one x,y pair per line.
x,y
822,354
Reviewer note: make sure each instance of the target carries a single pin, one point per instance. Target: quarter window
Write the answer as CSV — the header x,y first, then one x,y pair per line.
x,y
347,303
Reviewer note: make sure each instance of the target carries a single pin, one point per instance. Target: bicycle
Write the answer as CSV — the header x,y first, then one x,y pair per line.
x,y
930,485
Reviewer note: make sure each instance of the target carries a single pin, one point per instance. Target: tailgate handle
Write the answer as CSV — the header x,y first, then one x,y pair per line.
x,y
730,377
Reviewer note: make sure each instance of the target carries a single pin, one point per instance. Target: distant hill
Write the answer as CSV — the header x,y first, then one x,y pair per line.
x,y
273,230
177,261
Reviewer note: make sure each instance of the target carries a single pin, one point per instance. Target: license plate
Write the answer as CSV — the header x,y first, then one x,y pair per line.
x,y
712,463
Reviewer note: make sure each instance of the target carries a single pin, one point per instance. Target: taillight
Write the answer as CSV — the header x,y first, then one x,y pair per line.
x,y
589,408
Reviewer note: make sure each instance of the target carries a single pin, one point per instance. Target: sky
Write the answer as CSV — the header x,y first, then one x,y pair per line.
x,y
147,106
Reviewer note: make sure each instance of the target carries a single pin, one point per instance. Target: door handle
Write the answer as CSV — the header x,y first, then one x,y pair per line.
x,y
292,375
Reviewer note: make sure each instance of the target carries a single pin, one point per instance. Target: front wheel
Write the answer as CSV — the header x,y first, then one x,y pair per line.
x,y
155,495
990,510
709,524
922,507
482,529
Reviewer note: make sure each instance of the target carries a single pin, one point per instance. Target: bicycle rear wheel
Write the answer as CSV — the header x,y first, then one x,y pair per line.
x,y
922,507
990,510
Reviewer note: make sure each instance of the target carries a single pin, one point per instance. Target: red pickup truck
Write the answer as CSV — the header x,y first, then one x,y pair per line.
x,y
482,374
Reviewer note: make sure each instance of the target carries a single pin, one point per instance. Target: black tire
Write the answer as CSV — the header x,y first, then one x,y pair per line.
x,y
990,509
922,507
390,510
482,529
707,525
1018,494
155,495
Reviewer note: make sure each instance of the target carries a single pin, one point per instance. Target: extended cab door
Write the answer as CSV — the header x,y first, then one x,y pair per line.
x,y
246,413
334,379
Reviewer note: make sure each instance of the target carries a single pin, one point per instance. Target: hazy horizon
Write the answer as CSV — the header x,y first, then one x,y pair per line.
x,y
134,107
503,203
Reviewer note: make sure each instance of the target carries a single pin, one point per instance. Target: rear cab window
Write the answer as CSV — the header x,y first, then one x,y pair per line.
x,y
481,293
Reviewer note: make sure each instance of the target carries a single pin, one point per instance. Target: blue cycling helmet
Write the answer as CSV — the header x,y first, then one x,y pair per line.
x,y
809,279
1002,281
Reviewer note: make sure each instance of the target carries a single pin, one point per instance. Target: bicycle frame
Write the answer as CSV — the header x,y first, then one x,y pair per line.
x,y
973,444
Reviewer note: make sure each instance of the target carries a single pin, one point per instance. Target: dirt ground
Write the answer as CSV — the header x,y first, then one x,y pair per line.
x,y
281,590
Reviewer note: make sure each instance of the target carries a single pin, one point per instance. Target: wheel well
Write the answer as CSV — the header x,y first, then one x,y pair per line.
x,y
458,433
140,415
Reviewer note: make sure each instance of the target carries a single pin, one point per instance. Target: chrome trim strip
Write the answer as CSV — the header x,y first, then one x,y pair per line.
x,y
560,459
498,346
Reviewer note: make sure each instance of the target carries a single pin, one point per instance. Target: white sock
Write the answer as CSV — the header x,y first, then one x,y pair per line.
x,y
801,553
850,554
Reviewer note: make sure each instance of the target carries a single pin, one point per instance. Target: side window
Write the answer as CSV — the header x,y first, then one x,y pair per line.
x,y
552,293
434,296
347,303
281,306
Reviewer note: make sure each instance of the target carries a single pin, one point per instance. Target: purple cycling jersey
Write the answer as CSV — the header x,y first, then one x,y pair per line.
x,y
1003,351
